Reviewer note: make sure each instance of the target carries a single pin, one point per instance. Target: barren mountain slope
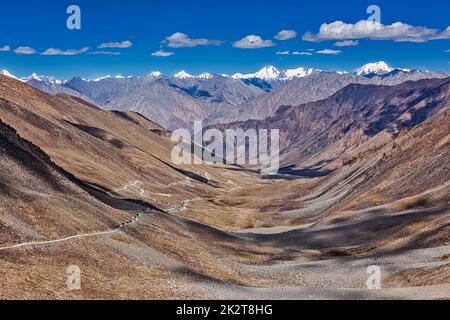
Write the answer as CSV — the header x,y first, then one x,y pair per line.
x,y
317,86
107,149
159,102
55,219
336,127
39,199
226,232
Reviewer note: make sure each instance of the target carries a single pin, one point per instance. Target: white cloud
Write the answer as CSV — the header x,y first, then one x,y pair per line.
x,y
286,35
295,53
5,48
397,31
59,52
252,42
162,53
347,43
118,45
181,40
443,35
25,50
329,51
302,53
109,53
448,51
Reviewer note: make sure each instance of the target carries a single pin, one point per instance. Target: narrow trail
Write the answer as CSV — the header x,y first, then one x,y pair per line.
x,y
134,184
138,186
184,206
79,236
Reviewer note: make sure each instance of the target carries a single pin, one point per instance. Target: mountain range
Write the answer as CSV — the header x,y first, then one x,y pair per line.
x,y
175,101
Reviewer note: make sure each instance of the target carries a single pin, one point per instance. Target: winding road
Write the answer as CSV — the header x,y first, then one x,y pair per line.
x,y
133,184
79,236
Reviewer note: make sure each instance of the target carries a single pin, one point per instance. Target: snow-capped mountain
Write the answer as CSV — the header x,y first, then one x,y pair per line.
x,y
267,73
8,74
376,68
220,98
183,75
109,77
155,74
301,72
270,73
388,73
41,78
205,75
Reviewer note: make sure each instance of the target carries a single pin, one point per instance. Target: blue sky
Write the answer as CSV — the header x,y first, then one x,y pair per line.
x,y
205,36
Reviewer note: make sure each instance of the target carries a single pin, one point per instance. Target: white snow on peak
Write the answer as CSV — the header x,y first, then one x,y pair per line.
x,y
155,74
239,76
107,77
40,78
271,73
378,68
8,74
266,73
301,72
183,75
34,76
102,78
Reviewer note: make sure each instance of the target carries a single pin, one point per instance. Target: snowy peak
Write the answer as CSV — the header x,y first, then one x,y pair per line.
x,y
270,73
155,74
33,76
101,78
48,79
290,74
183,75
204,76
267,73
376,68
108,77
8,74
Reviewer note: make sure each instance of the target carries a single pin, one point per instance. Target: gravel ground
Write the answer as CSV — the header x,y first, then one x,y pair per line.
x,y
333,279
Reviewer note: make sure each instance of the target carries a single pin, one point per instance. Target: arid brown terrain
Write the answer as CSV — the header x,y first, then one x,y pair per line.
x,y
365,181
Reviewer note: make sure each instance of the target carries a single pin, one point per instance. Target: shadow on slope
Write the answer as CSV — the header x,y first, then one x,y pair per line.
x,y
37,161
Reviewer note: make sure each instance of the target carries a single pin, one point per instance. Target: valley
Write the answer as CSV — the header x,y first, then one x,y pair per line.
x,y
365,181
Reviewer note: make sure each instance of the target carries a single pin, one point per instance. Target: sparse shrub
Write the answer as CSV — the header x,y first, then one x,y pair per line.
x,y
411,203
350,162
121,238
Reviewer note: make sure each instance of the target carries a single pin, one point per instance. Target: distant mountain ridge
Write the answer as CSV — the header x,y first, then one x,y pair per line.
x,y
357,115
177,100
